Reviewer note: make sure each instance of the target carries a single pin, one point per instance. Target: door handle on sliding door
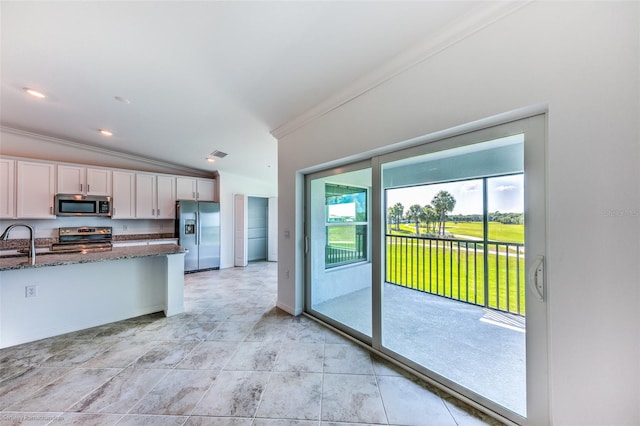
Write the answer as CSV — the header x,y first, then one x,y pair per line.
x,y
536,278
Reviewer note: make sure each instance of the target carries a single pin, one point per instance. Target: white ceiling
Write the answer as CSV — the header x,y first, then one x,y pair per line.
x,y
201,75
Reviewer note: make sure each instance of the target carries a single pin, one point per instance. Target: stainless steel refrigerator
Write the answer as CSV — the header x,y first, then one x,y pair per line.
x,y
198,230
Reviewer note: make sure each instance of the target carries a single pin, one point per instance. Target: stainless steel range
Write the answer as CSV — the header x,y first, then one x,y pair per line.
x,y
84,239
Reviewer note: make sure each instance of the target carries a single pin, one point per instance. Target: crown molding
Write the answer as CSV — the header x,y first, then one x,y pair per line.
x,y
103,151
463,28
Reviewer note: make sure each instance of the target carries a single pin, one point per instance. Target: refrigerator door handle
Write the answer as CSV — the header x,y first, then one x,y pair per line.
x,y
197,228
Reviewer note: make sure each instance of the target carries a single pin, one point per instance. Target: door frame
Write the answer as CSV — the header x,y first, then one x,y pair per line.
x,y
351,167
534,128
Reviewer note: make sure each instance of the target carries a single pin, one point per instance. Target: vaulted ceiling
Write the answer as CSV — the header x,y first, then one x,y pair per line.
x,y
174,81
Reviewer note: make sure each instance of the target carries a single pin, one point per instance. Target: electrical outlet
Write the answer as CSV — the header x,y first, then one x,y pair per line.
x,y
31,291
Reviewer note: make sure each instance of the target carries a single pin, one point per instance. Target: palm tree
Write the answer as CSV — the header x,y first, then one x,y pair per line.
x,y
430,216
415,214
443,203
395,214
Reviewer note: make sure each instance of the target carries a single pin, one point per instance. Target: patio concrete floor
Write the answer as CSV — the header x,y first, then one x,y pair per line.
x,y
481,349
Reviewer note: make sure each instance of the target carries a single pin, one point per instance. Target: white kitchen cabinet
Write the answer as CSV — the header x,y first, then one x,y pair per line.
x,y
7,189
124,195
98,182
185,188
35,189
155,196
166,201
83,180
145,196
195,189
206,189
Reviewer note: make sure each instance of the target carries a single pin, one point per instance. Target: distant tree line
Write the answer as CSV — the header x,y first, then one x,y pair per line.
x,y
506,218
433,215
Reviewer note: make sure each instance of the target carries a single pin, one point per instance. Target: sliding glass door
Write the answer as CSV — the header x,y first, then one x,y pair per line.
x,y
454,288
434,255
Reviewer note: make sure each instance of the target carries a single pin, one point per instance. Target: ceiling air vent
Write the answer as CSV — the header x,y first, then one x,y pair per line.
x,y
218,154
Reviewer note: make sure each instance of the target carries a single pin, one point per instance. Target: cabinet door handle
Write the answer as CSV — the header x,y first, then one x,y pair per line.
x,y
80,187
50,209
158,212
88,188
193,195
198,195
113,211
153,212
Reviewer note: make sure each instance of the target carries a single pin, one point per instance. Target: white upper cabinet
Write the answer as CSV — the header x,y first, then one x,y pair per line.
x,y
195,189
145,196
28,188
206,189
35,189
83,180
185,188
7,188
155,196
166,197
124,195
98,182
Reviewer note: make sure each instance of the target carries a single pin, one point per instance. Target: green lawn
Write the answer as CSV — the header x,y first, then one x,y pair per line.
x,y
456,270
342,236
452,269
497,231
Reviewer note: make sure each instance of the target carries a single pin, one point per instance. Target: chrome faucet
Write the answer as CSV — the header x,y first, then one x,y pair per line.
x,y
32,242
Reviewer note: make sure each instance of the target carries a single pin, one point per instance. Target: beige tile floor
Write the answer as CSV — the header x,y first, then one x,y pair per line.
x,y
231,359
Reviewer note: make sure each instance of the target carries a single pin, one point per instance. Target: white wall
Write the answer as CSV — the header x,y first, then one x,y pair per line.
x,y
230,185
581,60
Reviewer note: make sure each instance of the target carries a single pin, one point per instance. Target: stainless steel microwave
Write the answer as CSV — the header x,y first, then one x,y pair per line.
x,y
82,205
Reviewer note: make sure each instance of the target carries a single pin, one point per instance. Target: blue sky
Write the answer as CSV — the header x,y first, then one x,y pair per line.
x,y
505,194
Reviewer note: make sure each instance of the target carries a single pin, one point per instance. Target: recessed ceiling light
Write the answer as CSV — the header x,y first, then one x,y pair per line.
x,y
106,132
211,160
35,93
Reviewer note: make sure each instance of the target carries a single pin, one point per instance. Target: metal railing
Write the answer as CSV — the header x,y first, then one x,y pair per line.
x,y
485,273
337,255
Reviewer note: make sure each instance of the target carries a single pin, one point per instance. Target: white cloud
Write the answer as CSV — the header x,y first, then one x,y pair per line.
x,y
470,187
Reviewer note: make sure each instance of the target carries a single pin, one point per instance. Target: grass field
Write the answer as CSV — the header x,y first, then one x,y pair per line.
x,y
454,269
457,270
497,231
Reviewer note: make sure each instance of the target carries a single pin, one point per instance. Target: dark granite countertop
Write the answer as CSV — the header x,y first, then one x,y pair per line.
x,y
19,243
46,259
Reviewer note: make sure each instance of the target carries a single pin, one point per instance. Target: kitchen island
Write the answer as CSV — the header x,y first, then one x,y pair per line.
x,y
67,292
